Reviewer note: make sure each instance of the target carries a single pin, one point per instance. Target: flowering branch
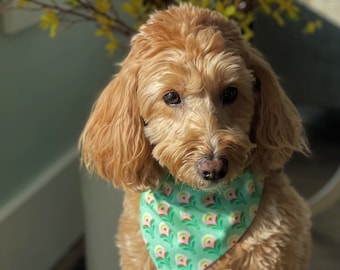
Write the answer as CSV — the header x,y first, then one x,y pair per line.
x,y
108,22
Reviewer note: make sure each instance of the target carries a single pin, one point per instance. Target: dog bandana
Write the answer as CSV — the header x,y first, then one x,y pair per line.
x,y
185,228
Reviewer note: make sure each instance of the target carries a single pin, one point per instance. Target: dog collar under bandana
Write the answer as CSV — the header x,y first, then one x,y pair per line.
x,y
185,228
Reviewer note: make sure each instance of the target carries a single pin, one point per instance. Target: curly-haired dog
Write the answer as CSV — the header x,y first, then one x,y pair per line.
x,y
196,129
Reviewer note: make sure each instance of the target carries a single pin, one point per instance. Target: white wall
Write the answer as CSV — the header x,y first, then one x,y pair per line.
x,y
40,223
102,206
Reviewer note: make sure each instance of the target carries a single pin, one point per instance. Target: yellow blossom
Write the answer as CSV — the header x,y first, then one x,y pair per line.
x,y
104,31
72,3
245,25
278,18
219,7
290,9
112,45
229,11
201,3
24,3
134,8
205,3
103,5
293,15
50,21
103,20
311,27
248,33
265,6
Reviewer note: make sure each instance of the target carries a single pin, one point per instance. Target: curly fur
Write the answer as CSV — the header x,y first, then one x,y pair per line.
x,y
133,138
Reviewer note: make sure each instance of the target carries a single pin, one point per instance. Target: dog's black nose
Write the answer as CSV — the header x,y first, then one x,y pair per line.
x,y
212,169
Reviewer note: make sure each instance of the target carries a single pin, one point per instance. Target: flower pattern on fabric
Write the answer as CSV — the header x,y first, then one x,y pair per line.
x,y
160,252
210,219
164,229
181,260
208,200
231,194
183,197
235,218
208,241
183,237
185,215
163,208
232,240
189,229
149,198
203,264
147,219
167,190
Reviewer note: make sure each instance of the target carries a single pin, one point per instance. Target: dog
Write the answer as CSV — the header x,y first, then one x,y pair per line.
x,y
196,129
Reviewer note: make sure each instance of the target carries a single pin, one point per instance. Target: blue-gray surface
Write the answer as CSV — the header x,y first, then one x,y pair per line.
x,y
47,89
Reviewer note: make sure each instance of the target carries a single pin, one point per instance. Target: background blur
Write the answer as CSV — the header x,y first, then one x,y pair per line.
x,y
47,88
308,69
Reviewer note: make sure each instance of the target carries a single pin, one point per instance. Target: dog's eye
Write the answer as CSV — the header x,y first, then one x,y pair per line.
x,y
229,95
172,98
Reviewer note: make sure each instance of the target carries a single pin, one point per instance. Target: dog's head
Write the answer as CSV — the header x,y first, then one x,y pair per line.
x,y
194,99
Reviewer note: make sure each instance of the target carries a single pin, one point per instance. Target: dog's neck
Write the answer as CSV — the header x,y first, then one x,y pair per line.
x,y
181,225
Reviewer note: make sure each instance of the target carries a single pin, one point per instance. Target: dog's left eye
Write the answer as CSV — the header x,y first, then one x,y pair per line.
x,y
229,95
172,98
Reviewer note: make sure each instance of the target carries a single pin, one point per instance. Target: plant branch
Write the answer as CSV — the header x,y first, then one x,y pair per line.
x,y
119,25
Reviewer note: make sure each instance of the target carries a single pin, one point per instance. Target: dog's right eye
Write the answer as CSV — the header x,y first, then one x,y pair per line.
x,y
172,98
229,95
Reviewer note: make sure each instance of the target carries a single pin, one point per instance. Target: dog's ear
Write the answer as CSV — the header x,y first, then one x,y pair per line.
x,y
277,127
112,143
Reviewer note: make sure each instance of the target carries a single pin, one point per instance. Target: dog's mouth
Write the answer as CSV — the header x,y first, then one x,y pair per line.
x,y
199,183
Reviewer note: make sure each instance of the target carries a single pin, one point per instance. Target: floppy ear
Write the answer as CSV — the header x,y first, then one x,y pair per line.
x,y
277,128
113,143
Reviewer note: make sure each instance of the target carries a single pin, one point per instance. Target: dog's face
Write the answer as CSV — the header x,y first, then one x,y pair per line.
x,y
197,106
188,101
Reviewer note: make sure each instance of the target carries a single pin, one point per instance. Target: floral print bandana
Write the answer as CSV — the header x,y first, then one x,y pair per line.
x,y
185,228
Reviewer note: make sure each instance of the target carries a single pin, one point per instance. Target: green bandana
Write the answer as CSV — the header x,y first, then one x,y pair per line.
x,y
185,228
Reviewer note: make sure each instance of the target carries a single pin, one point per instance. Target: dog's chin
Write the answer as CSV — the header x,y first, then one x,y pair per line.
x,y
210,186
198,183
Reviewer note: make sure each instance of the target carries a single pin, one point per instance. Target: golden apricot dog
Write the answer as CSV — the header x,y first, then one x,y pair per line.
x,y
196,129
